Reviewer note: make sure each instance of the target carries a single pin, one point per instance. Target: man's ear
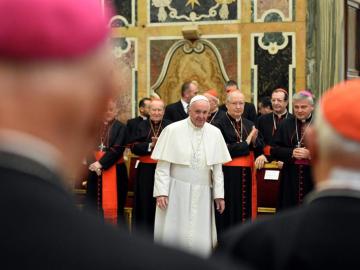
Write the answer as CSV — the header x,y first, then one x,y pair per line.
x,y
311,142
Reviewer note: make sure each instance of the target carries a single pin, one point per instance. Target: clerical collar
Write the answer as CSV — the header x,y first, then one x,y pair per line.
x,y
341,182
306,120
143,117
217,109
108,123
232,118
282,114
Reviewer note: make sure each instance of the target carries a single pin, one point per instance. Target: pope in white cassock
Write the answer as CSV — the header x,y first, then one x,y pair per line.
x,y
188,178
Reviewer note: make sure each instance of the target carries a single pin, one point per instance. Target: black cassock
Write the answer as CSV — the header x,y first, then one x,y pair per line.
x,y
131,127
113,137
238,184
268,190
215,117
145,203
297,178
267,124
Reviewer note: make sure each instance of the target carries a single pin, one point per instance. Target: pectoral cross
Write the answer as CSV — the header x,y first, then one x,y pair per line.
x,y
102,146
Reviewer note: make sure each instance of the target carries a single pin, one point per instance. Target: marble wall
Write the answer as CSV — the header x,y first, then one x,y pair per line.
x,y
261,44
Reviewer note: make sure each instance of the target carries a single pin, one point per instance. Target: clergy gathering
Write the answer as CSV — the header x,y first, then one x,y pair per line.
x,y
184,134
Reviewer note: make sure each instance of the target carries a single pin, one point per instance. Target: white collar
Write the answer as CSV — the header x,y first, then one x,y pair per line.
x,y
31,147
341,178
191,124
185,105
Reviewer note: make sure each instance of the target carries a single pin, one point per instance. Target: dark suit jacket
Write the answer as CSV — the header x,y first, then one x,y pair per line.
x,y
249,111
175,112
41,228
321,235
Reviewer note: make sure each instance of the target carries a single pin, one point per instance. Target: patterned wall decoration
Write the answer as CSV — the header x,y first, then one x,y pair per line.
x,y
184,61
272,10
125,12
157,51
156,25
188,11
125,52
210,62
273,63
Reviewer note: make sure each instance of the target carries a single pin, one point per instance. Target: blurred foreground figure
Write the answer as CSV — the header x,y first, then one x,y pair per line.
x,y
322,233
55,84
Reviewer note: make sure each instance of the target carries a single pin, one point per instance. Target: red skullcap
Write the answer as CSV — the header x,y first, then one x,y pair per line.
x,y
212,92
339,106
50,29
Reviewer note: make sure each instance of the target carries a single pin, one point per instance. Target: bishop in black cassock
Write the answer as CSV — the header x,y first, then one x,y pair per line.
x,y
289,147
110,157
146,135
239,184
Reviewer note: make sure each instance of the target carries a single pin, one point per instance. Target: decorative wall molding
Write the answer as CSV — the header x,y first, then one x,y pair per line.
x,y
273,14
273,48
188,47
217,11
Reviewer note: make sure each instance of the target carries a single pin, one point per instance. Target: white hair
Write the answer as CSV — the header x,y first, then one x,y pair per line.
x,y
330,142
233,93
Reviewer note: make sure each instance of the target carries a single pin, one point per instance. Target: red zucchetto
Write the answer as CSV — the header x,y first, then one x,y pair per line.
x,y
212,92
339,107
50,29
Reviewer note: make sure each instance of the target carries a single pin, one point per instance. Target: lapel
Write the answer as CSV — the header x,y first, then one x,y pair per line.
x,y
180,109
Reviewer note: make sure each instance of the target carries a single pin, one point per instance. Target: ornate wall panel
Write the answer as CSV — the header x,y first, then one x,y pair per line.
x,y
125,12
273,10
185,11
209,61
125,52
273,63
266,51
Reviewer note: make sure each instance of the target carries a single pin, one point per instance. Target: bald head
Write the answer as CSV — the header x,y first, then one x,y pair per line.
x,y
235,102
156,110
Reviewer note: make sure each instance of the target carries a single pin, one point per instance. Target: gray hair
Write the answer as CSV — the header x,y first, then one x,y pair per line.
x,y
303,95
330,142
233,93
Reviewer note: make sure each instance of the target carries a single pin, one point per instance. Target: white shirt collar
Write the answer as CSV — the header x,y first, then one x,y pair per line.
x,y
185,105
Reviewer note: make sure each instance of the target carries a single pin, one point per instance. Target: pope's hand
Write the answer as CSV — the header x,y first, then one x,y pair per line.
x,y
220,205
162,202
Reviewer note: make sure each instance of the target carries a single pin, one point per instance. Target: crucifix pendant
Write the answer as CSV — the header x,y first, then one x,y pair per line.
x,y
102,146
298,145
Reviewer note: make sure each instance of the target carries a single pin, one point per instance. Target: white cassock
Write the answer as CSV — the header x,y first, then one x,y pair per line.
x,y
189,172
